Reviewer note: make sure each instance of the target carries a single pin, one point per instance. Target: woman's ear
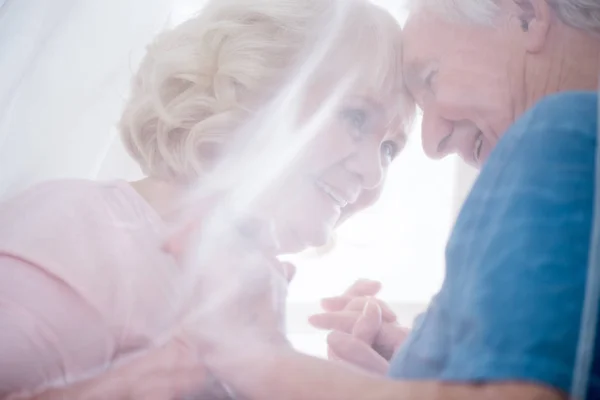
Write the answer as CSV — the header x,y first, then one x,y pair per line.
x,y
535,17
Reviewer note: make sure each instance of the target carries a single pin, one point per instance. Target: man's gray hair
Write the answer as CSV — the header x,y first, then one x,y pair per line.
x,y
581,14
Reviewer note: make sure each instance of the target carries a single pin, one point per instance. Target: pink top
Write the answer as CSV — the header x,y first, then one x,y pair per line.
x,y
83,281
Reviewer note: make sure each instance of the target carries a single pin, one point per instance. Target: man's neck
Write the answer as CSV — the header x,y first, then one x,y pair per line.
x,y
570,61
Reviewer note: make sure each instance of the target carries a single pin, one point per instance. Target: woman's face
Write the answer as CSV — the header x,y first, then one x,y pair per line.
x,y
350,153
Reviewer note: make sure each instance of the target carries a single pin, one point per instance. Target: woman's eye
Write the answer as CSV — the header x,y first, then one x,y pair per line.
x,y
429,79
389,150
355,117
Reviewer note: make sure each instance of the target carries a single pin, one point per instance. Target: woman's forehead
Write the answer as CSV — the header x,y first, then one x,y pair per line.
x,y
375,72
386,91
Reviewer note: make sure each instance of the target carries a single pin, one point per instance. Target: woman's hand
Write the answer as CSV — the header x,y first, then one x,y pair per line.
x,y
170,372
239,291
364,329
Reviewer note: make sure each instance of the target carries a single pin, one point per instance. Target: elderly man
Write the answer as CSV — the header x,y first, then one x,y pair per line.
x,y
474,66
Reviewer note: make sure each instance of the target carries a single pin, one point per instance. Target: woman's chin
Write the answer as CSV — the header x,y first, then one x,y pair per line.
x,y
296,242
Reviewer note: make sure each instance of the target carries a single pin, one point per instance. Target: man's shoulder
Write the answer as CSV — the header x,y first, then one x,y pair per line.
x,y
541,170
518,255
565,103
533,199
556,136
564,116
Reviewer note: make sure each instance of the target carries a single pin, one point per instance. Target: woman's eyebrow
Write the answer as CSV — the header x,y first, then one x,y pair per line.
x,y
373,105
416,72
396,132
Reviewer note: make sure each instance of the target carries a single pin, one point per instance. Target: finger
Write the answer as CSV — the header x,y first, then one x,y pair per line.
x,y
332,356
389,339
363,287
368,325
336,321
356,352
343,321
358,304
337,303
360,288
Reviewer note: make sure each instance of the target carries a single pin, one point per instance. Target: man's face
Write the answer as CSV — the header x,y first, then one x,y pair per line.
x,y
468,81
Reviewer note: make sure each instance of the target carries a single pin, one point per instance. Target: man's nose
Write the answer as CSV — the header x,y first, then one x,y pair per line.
x,y
442,137
436,133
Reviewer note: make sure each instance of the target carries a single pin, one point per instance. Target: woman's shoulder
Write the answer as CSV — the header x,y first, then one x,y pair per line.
x,y
72,227
62,214
54,194
75,203
64,194
100,238
52,221
102,241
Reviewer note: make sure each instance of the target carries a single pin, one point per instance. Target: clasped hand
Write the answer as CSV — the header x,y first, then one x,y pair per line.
x,y
365,331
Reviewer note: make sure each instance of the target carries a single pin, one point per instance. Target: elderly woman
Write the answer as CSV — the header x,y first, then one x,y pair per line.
x,y
277,114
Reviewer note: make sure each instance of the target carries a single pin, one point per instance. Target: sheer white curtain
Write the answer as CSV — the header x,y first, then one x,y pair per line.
x,y
64,72
400,241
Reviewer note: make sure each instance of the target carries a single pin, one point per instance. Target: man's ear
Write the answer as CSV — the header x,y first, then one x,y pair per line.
x,y
535,17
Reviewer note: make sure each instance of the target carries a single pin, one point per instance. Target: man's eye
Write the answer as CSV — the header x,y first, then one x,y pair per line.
x,y
389,151
355,117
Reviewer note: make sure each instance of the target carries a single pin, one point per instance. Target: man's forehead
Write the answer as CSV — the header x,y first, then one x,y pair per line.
x,y
420,38
427,39
420,48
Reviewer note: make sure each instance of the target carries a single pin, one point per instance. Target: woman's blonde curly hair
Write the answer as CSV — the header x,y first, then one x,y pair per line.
x,y
202,80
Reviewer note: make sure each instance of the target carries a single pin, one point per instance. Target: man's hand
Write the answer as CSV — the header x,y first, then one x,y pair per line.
x,y
365,331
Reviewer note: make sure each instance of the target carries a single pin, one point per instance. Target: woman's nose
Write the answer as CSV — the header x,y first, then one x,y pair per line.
x,y
435,134
367,164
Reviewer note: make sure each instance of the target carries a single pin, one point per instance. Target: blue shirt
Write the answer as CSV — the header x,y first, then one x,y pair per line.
x,y
510,307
